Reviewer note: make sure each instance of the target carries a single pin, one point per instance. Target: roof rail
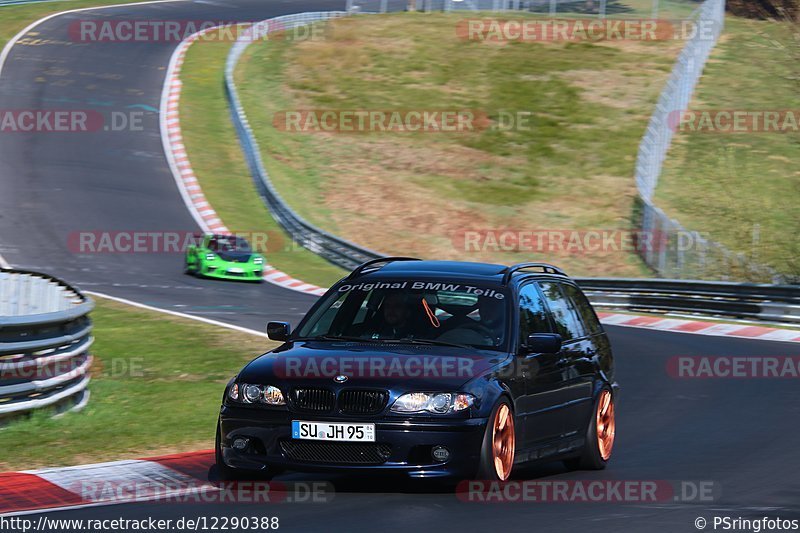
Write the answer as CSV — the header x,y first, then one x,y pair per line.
x,y
360,268
545,269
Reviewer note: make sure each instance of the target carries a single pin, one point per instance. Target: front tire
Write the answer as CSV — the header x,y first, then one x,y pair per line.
x,y
499,444
600,435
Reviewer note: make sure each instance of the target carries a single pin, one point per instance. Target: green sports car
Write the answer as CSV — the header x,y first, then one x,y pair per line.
x,y
224,257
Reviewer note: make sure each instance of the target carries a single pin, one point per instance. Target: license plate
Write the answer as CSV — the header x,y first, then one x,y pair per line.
x,y
333,431
236,270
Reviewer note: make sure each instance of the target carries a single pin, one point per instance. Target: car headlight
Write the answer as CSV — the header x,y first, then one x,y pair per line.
x,y
255,394
210,256
258,260
439,403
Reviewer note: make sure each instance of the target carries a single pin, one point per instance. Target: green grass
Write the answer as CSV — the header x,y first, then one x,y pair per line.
x,y
572,170
156,387
217,160
733,186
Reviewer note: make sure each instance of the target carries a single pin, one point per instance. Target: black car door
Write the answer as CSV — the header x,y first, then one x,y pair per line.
x,y
538,408
576,350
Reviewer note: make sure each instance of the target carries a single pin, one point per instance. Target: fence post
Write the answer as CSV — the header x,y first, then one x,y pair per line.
x,y
349,6
553,7
602,13
384,6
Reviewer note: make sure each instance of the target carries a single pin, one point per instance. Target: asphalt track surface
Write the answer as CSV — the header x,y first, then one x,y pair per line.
x,y
740,435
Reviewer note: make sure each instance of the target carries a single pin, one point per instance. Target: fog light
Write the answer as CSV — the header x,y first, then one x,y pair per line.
x,y
440,453
240,444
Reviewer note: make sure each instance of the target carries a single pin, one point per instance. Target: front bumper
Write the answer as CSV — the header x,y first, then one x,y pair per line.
x,y
409,444
227,270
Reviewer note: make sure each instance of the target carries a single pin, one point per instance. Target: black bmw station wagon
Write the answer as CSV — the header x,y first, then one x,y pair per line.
x,y
428,369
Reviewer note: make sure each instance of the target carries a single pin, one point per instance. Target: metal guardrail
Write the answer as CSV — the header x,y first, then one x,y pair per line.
x,y
746,301
335,249
45,335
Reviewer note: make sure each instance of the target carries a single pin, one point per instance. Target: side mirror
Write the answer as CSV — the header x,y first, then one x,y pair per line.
x,y
278,331
543,343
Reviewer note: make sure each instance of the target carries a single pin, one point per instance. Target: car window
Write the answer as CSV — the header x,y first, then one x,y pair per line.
x,y
568,325
413,310
584,308
532,313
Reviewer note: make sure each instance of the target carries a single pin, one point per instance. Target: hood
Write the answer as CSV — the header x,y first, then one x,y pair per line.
x,y
398,367
235,257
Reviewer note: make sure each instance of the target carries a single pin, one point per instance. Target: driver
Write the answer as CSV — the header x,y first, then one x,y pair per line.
x,y
491,312
396,313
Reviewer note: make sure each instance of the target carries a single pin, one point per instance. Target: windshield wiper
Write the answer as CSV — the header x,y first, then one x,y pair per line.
x,y
430,342
335,338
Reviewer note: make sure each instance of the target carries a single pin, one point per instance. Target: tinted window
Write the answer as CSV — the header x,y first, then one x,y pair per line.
x,y
532,314
568,324
584,308
396,310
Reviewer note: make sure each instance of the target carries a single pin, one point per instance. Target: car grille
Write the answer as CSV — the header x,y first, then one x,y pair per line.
x,y
362,402
351,401
370,453
313,400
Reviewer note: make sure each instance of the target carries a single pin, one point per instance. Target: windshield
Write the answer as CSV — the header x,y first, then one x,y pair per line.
x,y
413,311
228,244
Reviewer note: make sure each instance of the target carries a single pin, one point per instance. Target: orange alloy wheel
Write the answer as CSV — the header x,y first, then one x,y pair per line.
x,y
605,424
503,442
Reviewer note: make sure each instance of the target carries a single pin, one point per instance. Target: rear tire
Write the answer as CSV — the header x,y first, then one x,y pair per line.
x,y
499,444
600,435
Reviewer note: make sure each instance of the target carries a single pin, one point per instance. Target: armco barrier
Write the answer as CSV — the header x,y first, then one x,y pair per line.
x,y
45,335
746,301
335,249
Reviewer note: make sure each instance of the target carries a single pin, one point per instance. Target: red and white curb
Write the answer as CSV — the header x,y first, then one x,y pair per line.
x,y
187,182
171,478
676,325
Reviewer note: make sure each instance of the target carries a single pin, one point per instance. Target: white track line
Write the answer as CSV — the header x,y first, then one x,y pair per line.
x,y
178,314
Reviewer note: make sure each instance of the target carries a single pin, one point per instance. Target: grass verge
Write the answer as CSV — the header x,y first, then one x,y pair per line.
x,y
743,189
157,381
218,163
572,170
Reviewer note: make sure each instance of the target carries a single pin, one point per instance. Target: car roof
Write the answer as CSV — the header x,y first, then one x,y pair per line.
x,y
485,272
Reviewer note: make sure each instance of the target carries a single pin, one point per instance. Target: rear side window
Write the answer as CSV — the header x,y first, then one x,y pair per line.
x,y
532,313
584,308
568,324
